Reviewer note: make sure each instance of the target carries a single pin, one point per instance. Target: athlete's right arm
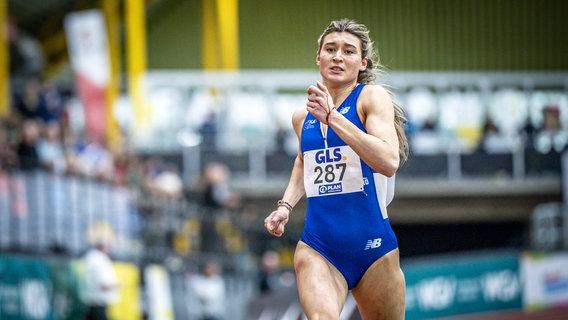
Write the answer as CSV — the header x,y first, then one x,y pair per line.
x,y
295,190
278,218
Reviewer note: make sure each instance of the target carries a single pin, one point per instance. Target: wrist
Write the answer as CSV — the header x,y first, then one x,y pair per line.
x,y
282,203
329,117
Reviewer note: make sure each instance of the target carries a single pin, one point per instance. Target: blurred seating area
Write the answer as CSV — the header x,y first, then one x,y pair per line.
x,y
461,125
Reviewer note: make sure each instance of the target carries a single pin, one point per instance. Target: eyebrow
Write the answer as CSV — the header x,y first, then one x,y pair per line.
x,y
335,43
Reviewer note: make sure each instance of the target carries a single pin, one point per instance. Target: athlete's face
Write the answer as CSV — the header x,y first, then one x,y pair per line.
x,y
340,58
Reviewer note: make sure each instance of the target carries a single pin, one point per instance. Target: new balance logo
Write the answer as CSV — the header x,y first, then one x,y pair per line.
x,y
373,243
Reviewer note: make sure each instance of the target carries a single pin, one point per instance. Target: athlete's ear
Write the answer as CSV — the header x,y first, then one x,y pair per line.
x,y
318,59
363,64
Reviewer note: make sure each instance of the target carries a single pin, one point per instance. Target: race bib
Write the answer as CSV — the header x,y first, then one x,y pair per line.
x,y
332,171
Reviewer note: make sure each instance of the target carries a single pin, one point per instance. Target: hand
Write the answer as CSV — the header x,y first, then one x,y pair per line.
x,y
319,102
276,221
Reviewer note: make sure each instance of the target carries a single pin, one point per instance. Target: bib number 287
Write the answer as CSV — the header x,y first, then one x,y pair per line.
x,y
329,173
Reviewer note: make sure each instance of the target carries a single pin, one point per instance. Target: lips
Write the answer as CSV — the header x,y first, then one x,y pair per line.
x,y
336,69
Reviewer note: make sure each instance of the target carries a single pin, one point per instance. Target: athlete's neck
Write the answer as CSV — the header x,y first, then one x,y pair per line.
x,y
338,94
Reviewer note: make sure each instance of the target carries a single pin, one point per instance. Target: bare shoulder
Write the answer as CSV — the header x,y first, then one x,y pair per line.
x,y
375,98
376,93
298,117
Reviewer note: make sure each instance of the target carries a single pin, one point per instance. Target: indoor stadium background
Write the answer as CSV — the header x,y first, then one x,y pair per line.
x,y
164,92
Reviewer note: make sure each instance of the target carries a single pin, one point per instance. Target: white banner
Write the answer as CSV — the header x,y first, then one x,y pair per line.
x,y
545,279
158,293
89,54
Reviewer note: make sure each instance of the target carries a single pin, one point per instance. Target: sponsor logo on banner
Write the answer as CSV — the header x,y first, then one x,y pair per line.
x,y
436,293
463,285
35,299
555,281
502,286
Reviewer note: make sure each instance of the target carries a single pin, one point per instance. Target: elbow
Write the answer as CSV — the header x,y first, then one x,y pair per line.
x,y
389,173
391,167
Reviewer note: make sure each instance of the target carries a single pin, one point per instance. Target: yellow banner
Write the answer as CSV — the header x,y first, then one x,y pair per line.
x,y
128,307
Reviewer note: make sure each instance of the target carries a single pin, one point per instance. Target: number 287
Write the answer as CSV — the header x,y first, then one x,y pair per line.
x,y
328,174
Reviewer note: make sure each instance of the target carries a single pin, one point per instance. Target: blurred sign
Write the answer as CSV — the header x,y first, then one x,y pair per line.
x,y
88,51
545,279
128,307
66,302
158,293
547,224
455,286
25,289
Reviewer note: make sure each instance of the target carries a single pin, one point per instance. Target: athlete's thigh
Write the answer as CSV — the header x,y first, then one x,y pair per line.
x,y
321,287
381,293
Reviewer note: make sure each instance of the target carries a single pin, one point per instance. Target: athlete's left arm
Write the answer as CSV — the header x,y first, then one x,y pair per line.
x,y
379,146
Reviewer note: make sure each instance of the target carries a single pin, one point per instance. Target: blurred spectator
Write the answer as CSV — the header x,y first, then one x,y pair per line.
x,y
216,194
30,102
50,149
135,173
496,141
551,135
528,132
28,158
429,124
53,106
489,134
280,139
427,140
551,118
8,156
153,167
270,272
101,285
208,131
26,56
216,191
128,170
168,183
209,289
93,160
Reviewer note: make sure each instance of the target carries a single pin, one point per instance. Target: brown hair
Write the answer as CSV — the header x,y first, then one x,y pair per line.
x,y
369,75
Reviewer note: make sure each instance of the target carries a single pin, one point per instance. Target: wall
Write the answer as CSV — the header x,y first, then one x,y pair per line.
x,y
410,34
174,35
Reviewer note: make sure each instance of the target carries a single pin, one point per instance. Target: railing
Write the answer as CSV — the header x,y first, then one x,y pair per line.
x,y
256,165
44,213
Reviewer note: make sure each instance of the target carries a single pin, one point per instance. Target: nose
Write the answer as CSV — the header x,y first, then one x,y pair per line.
x,y
337,56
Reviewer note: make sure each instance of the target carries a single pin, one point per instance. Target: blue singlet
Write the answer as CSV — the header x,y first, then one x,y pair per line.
x,y
346,218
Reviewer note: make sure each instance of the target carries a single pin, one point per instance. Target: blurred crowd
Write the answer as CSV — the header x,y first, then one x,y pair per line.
x,y
37,135
39,131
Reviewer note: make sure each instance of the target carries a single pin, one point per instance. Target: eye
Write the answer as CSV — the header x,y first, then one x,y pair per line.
x,y
330,50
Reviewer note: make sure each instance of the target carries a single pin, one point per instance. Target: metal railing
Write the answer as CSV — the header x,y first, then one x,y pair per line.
x,y
45,213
